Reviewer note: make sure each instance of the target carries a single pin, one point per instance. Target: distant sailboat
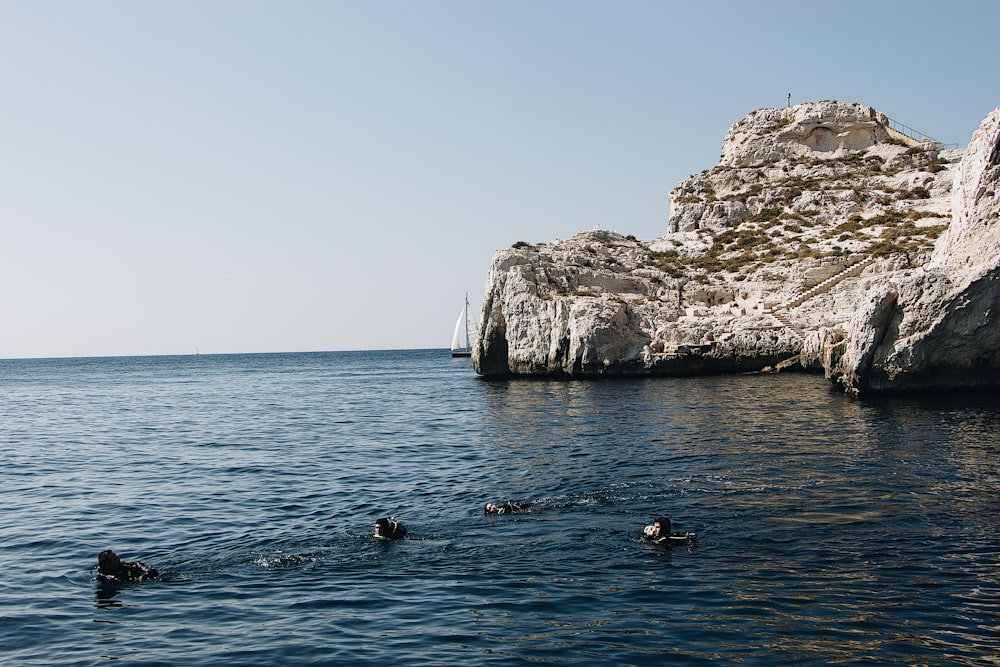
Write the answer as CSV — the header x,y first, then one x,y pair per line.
x,y
461,345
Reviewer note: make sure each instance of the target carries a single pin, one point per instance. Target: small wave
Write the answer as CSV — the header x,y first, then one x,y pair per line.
x,y
271,562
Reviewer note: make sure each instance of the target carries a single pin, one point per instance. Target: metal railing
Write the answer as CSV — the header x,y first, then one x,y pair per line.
x,y
915,135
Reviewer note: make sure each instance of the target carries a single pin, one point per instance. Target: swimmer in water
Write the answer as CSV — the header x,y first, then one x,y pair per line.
x,y
659,533
506,508
110,568
389,529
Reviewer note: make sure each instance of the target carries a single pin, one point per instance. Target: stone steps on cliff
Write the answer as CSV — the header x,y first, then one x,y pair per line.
x,y
902,137
819,288
780,312
785,321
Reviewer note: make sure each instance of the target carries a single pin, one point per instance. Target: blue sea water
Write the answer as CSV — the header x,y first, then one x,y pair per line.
x,y
830,531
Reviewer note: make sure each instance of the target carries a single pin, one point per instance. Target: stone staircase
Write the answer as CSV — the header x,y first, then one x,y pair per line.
x,y
902,137
907,135
785,321
780,312
819,288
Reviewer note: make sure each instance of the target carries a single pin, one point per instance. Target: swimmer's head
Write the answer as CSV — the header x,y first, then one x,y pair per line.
x,y
661,524
389,528
108,562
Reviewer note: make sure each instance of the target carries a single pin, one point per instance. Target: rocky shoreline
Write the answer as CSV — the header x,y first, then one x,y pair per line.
x,y
823,241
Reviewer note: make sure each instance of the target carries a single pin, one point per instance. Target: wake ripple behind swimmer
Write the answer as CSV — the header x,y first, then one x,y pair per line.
x,y
290,560
572,501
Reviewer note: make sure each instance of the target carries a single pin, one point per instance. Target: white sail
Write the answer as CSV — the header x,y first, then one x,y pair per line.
x,y
461,345
461,330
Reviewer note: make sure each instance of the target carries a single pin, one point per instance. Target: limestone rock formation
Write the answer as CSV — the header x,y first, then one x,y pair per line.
x,y
823,240
940,329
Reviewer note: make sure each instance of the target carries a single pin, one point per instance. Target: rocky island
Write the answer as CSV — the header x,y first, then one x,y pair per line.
x,y
825,240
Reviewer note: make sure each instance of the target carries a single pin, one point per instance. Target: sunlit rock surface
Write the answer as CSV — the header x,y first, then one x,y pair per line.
x,y
824,240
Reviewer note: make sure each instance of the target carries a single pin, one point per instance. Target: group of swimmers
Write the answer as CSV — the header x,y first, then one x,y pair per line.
x,y
111,568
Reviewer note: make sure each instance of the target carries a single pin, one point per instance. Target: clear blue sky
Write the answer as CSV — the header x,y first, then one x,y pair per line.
x,y
246,176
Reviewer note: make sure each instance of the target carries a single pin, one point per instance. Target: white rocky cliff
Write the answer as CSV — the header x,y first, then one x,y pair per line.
x,y
824,239
937,327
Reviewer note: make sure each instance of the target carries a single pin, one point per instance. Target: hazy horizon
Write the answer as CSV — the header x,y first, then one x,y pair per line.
x,y
244,176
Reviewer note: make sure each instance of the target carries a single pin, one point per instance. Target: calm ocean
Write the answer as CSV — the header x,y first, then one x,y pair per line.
x,y
830,531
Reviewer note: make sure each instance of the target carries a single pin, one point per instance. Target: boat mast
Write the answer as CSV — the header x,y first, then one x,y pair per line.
x,y
464,328
466,311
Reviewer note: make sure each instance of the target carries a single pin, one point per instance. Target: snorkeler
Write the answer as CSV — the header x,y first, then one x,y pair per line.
x,y
659,533
110,568
389,529
506,508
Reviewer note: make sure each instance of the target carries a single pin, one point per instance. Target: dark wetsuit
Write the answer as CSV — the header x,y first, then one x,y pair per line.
x,y
129,571
389,529
511,508
670,540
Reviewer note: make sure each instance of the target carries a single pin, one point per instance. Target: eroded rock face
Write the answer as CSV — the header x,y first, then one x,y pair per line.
x,y
822,241
821,163
595,305
943,332
971,243
770,135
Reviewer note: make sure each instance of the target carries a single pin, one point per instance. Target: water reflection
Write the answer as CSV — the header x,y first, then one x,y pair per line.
x,y
829,524
830,530
105,596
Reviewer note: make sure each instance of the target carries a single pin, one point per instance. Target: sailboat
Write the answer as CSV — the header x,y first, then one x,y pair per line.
x,y
461,345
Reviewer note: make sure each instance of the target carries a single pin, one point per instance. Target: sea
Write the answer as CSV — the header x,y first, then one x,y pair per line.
x,y
828,530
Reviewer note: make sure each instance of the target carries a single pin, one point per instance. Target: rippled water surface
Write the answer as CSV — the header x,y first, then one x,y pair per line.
x,y
829,530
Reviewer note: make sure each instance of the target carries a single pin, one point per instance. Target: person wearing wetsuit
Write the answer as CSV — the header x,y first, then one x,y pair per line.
x,y
110,568
659,533
389,529
505,508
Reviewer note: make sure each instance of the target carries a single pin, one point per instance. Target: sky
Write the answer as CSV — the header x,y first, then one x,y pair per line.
x,y
238,176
